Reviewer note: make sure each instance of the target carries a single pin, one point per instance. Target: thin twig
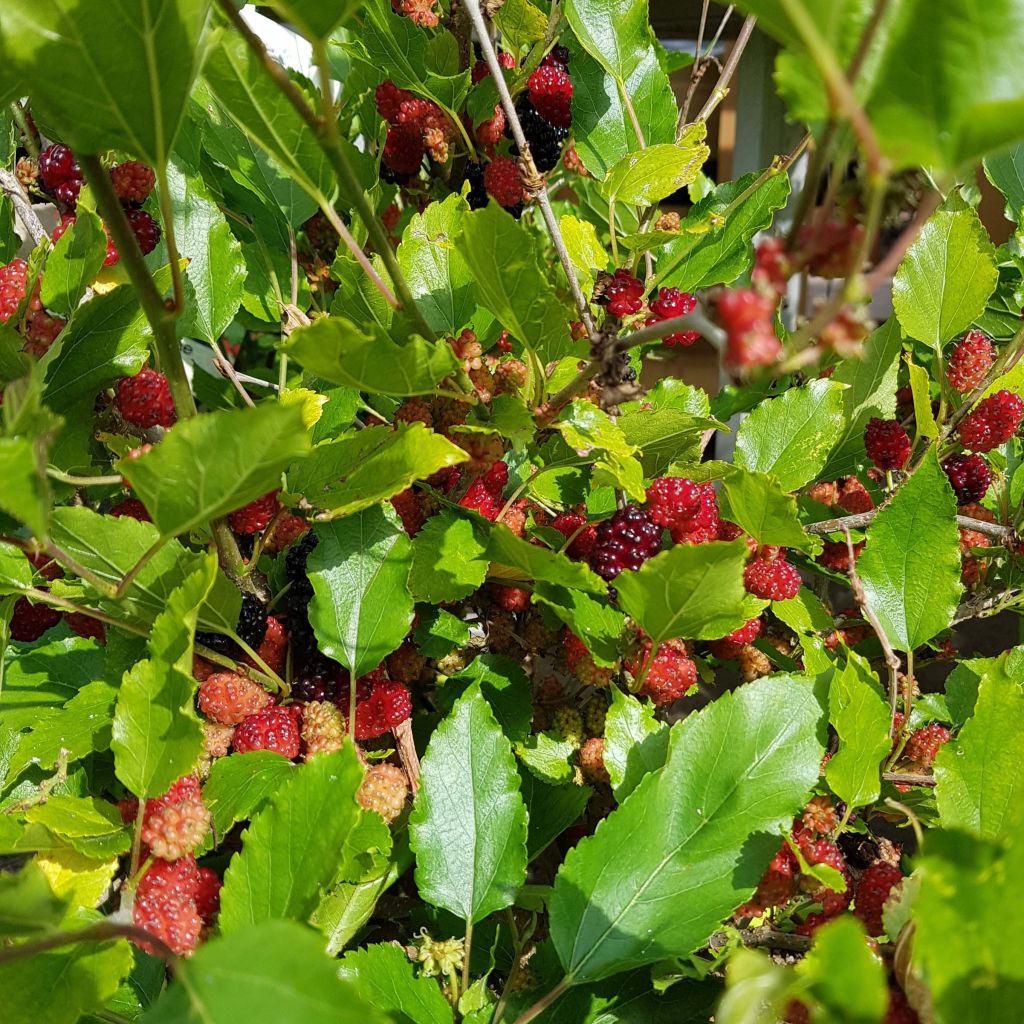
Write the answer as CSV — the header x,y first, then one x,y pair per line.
x,y
891,659
472,8
102,931
406,748
696,69
23,205
224,367
721,89
908,779
763,937
863,519
886,266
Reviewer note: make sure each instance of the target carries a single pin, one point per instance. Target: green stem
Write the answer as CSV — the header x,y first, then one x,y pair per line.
x,y
83,481
45,597
28,136
467,949
543,1003
167,216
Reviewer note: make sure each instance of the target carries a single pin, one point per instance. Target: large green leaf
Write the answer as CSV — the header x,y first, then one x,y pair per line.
x,y
970,960
977,784
383,976
274,972
692,590
210,464
435,270
292,849
448,558
652,174
468,824
870,391
709,251
91,827
911,565
757,503
361,608
860,716
947,275
791,436
337,350
540,564
691,841
1006,171
374,464
635,742
614,32
108,76
511,281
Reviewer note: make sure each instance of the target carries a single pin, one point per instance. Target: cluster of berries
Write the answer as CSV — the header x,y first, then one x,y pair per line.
x,y
415,127
38,327
622,294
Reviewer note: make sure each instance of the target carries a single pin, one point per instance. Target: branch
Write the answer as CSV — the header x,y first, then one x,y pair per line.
x,y
23,205
862,519
99,932
763,937
408,756
696,70
908,778
888,264
472,8
721,89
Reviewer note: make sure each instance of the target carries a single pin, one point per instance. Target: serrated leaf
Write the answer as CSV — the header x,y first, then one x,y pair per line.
x,y
615,33
756,503
586,428
976,782
293,846
598,624
654,173
57,987
791,436
383,976
26,493
505,686
100,100
15,569
585,250
635,742
468,824
540,564
1006,171
693,591
520,22
438,632
910,567
337,350
76,259
448,558
276,971
870,391
860,716
549,757
689,844
81,880
512,282
361,608
435,270
804,613
241,784
90,826
952,247
353,473
845,979
550,810
920,390
709,252
27,903
211,464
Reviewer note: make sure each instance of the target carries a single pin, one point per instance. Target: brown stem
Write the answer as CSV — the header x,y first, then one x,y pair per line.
x,y
410,760
102,931
696,69
12,187
886,267
909,778
863,519
763,937
472,8
732,62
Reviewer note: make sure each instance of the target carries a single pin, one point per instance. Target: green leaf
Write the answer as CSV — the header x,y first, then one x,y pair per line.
x,y
241,784
973,108
109,546
693,591
920,390
602,127
1006,171
976,781
550,810
860,716
76,259
521,23
844,977
870,392
215,275
293,847
337,350
27,903
361,608
709,252
258,106
438,632
549,756
691,841
911,565
947,275
15,569
791,436
377,463
505,686
755,502
635,742
585,250
91,827
614,32
275,972
26,493
598,624
649,176
435,270
585,427
57,987
970,961
210,464
383,976
512,282
448,558
314,18
99,100
468,824
540,564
